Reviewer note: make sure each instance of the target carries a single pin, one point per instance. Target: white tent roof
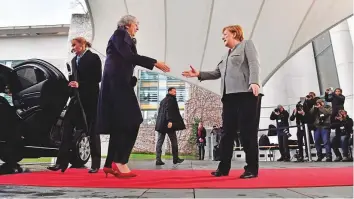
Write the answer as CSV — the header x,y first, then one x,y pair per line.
x,y
184,32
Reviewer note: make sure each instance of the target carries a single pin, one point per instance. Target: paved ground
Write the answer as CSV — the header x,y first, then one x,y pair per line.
x,y
324,192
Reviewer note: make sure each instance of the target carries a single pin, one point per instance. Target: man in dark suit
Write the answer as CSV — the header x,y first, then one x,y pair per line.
x,y
86,76
169,120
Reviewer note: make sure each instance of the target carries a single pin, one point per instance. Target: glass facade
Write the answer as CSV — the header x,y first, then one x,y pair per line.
x,y
152,88
10,63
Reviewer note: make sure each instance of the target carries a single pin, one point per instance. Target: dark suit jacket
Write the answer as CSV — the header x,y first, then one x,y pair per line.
x,y
169,112
118,107
88,74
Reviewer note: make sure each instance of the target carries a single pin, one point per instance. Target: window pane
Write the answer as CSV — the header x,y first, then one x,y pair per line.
x,y
29,77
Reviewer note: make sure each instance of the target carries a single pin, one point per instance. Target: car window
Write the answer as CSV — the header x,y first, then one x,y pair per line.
x,y
30,76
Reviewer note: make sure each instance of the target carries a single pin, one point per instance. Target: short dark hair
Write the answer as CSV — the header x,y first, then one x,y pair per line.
x,y
171,88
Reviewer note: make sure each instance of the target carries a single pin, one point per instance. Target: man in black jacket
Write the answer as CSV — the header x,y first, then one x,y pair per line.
x,y
310,101
299,114
337,100
169,120
343,125
281,116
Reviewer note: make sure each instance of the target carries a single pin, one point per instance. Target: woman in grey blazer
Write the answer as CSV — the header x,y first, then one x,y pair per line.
x,y
239,72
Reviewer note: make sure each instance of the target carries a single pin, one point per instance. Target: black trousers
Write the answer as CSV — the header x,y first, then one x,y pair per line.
x,y
300,143
201,150
73,119
174,144
283,141
241,111
238,140
95,148
121,145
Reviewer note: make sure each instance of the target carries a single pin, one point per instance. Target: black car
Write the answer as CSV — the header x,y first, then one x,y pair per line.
x,y
31,124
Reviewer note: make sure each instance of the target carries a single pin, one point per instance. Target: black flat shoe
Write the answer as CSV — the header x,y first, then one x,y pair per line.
x,y
248,174
178,161
159,163
93,170
218,173
54,168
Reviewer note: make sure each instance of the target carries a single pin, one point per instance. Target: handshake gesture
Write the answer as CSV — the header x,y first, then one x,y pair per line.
x,y
191,73
162,66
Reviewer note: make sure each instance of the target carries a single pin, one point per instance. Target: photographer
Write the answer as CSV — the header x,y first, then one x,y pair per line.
x,y
299,114
281,117
322,113
343,125
337,100
310,101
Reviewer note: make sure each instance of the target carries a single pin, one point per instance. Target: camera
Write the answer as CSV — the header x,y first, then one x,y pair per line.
x,y
342,130
299,107
276,110
287,133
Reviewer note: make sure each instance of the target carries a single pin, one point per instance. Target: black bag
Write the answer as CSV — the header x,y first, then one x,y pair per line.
x,y
264,141
272,130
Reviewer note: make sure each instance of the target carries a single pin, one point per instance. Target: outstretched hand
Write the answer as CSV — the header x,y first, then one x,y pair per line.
x,y
191,73
162,66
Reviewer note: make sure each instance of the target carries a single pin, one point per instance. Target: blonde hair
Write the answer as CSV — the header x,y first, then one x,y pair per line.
x,y
83,41
235,29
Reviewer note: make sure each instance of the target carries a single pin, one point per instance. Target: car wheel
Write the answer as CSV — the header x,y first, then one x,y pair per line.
x,y
81,152
12,152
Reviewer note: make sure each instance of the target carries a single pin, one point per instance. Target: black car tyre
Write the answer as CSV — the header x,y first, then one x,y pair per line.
x,y
81,153
12,152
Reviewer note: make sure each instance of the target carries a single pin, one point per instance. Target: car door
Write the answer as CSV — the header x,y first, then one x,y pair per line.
x,y
40,94
7,113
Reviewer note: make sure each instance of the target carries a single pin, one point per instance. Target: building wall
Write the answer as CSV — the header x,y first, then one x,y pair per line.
x,y
343,53
50,48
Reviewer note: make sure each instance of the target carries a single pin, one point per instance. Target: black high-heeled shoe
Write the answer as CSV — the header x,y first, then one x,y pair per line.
x,y
64,167
56,167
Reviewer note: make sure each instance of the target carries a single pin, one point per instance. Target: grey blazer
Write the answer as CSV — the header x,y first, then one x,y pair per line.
x,y
238,70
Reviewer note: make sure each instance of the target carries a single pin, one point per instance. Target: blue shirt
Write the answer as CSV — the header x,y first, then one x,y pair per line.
x,y
78,57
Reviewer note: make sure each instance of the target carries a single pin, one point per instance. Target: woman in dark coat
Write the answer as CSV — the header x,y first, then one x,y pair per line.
x,y
201,141
86,76
118,111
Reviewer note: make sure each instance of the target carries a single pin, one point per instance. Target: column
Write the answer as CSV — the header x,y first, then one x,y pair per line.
x,y
325,62
351,28
343,54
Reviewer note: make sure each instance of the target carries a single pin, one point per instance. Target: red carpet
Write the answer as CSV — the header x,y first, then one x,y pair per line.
x,y
178,179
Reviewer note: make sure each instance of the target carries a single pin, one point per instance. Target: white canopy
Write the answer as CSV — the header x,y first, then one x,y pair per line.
x,y
188,32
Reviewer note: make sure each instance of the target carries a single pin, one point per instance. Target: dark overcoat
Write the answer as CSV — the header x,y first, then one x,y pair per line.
x,y
169,112
118,107
88,74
